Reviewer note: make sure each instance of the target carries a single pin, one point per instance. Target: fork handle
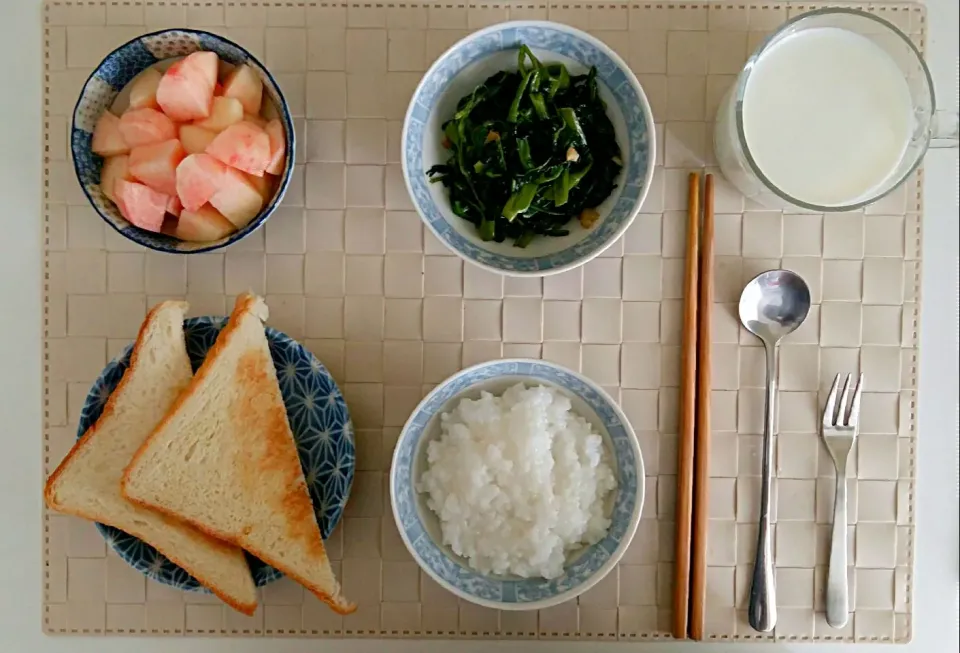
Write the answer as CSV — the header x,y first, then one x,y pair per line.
x,y
837,591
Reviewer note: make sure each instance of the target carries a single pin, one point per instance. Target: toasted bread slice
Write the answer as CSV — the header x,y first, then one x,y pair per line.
x,y
87,482
224,460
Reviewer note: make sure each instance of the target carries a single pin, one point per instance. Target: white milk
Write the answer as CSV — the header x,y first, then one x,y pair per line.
x,y
827,116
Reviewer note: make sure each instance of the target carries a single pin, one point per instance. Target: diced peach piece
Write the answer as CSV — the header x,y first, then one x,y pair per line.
x,y
114,168
174,207
141,205
195,139
199,177
108,138
278,147
224,112
206,63
264,186
244,146
203,225
245,85
143,89
186,89
156,165
146,126
238,200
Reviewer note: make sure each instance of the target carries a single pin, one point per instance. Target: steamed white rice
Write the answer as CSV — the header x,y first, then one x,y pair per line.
x,y
518,481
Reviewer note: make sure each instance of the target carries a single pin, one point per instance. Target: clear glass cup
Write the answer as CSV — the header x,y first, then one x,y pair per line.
x,y
932,128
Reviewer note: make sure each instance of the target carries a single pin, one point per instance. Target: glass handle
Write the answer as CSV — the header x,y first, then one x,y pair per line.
x,y
945,129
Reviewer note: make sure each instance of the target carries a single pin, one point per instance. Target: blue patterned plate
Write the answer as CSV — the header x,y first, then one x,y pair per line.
x,y
468,63
106,82
420,528
318,418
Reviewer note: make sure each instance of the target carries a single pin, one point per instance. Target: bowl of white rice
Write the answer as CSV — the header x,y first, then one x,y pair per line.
x,y
517,484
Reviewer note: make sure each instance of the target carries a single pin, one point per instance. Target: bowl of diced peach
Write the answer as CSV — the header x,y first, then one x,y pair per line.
x,y
182,141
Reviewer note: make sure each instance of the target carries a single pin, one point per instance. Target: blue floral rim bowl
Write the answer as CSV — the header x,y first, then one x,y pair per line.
x,y
467,64
420,529
105,84
319,420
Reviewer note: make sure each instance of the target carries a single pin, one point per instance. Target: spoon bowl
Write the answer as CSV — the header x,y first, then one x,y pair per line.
x,y
774,304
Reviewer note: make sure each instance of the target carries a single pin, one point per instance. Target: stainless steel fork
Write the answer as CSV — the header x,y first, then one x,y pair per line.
x,y
841,423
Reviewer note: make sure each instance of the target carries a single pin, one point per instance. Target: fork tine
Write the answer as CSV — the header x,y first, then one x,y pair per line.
x,y
855,404
830,410
844,401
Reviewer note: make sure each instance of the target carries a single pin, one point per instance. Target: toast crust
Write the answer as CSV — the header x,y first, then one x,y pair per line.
x,y
246,608
305,525
49,490
49,487
339,606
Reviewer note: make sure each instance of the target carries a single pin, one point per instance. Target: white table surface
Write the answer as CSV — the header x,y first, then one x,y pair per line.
x,y
937,566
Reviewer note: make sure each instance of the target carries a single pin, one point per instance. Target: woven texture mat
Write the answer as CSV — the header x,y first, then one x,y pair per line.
x,y
347,269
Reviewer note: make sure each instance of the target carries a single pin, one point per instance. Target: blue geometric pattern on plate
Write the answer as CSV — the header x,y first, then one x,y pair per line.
x,y
502,589
510,36
319,420
106,82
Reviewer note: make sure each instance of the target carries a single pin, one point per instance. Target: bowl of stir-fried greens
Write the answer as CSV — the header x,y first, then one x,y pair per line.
x,y
528,148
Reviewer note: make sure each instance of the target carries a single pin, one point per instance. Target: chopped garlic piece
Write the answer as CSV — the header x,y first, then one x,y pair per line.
x,y
588,217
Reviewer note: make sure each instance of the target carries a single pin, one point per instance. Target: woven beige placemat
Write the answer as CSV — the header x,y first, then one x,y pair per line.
x,y
347,269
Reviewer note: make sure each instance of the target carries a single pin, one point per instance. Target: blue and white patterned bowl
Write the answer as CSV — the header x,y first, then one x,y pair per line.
x,y
318,418
420,528
104,85
468,63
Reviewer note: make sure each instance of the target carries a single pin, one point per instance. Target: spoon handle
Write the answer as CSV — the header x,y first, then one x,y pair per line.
x,y
763,594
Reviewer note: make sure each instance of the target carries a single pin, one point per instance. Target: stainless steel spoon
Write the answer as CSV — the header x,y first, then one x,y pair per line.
x,y
773,304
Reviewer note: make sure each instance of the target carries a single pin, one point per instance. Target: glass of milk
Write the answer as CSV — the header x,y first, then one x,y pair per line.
x,y
833,112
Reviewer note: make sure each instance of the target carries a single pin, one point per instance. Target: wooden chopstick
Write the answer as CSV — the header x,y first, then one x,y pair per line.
x,y
701,474
688,391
